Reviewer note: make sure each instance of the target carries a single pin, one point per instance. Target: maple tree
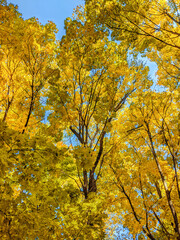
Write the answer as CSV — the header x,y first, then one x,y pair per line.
x,y
121,165
95,79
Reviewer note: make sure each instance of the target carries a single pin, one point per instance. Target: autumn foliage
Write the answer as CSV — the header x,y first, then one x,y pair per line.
x,y
89,140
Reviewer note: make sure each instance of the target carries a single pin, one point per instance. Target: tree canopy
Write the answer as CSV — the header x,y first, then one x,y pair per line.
x,y
89,140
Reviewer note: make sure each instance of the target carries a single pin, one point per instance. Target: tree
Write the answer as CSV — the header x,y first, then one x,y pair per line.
x,y
95,79
26,62
145,172
148,27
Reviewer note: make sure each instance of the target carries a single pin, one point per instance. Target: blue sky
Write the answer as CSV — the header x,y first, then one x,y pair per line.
x,y
52,10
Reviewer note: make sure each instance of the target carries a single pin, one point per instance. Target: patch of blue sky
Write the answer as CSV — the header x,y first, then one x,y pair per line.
x,y
116,231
